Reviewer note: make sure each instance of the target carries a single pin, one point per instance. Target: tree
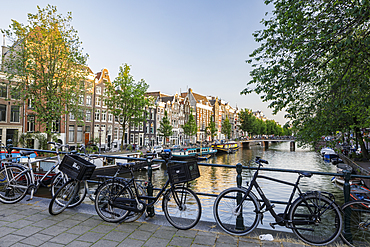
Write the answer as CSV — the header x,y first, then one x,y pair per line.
x,y
190,127
226,128
46,65
211,128
313,63
247,121
165,128
126,99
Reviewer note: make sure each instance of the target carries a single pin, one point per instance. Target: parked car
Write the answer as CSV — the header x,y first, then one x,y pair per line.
x,y
157,149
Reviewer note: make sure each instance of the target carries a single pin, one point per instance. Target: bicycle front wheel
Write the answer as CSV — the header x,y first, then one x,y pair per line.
x,y
14,183
59,180
107,200
64,196
356,223
182,208
316,219
236,217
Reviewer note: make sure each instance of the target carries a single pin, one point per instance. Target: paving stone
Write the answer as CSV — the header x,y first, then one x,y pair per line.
x,y
45,223
226,239
5,230
12,217
36,217
90,222
270,244
186,233
37,239
287,244
105,243
68,223
20,223
153,241
140,235
77,243
128,242
148,227
91,237
64,238
54,230
102,228
181,241
163,233
10,239
208,239
127,227
116,236
249,242
48,244
79,229
28,231
20,245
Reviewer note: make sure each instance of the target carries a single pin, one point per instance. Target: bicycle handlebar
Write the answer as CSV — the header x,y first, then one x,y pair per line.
x,y
259,160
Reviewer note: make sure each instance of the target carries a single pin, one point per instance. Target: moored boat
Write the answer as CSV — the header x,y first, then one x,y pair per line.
x,y
328,154
359,192
193,153
228,147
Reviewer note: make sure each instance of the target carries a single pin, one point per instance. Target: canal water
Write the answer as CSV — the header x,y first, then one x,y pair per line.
x,y
213,180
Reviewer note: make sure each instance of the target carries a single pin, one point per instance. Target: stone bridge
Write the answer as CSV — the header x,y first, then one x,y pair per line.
x,y
265,142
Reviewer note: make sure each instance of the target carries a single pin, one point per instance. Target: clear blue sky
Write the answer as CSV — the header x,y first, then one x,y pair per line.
x,y
172,45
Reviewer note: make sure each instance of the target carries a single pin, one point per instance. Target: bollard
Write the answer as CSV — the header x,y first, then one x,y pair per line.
x,y
239,219
150,209
347,213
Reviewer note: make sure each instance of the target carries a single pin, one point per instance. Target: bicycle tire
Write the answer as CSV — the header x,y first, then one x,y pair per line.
x,y
59,180
64,196
105,195
187,214
17,190
312,228
357,231
232,222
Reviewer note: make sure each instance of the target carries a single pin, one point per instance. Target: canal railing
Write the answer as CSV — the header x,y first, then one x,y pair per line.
x,y
239,168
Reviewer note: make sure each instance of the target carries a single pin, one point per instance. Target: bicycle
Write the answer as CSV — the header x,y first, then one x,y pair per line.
x,y
356,223
118,198
314,216
17,178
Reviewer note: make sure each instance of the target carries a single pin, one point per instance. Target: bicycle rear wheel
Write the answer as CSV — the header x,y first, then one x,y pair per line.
x,y
106,196
64,196
356,223
235,222
182,207
59,180
14,183
316,219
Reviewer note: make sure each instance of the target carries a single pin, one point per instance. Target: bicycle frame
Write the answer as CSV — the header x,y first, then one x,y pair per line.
x,y
266,202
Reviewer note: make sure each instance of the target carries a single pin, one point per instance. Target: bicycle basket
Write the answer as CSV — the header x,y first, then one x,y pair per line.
x,y
183,172
76,167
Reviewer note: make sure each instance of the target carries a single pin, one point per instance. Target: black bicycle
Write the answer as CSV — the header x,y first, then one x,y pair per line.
x,y
119,198
314,216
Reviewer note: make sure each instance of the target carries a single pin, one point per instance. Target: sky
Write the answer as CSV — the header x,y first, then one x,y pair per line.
x,y
172,45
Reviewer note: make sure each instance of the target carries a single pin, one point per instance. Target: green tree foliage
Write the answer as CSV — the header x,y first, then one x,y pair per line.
x,y
165,128
247,121
226,128
313,63
126,98
190,127
211,129
46,65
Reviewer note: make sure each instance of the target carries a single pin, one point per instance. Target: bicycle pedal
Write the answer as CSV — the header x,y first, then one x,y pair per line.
x,y
272,225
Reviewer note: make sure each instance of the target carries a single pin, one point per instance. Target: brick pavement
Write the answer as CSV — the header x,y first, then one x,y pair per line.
x,y
30,224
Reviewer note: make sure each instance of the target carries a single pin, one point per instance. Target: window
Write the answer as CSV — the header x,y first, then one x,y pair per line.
x,y
79,133
15,94
110,117
56,126
97,115
31,123
88,115
14,114
87,129
88,100
98,101
3,90
104,116
30,105
3,113
71,133
71,116
81,101
98,90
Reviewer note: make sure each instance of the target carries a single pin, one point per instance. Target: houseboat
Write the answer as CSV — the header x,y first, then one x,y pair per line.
x,y
193,153
227,147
